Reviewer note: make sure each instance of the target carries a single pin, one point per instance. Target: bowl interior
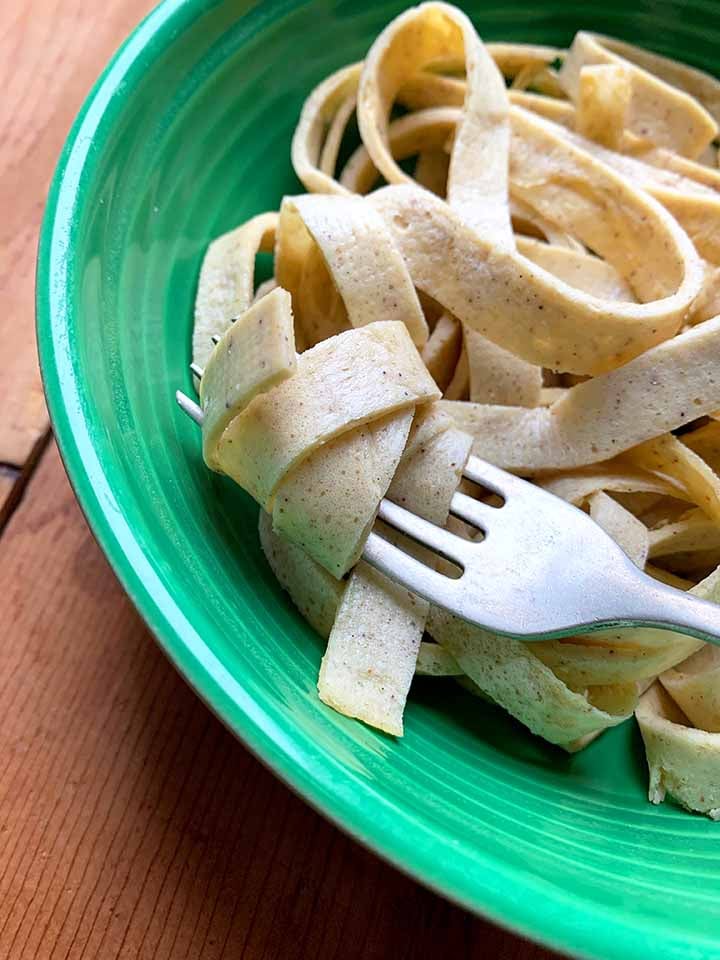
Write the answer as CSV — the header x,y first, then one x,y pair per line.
x,y
186,135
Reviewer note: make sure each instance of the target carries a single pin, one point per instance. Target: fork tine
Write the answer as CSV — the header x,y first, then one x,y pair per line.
x,y
215,339
188,406
473,511
197,370
486,475
408,571
441,541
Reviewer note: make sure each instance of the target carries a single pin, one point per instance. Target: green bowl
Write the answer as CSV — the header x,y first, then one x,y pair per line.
x,y
185,135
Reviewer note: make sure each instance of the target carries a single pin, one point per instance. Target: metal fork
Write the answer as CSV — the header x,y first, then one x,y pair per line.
x,y
543,569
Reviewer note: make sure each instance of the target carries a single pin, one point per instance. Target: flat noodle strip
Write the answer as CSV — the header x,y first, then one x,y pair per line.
x,y
317,596
459,387
366,269
423,90
327,101
669,457
511,58
683,762
695,206
630,534
431,171
604,99
431,466
656,111
435,661
331,147
554,325
300,266
429,128
374,643
478,168
562,112
581,663
664,576
596,420
694,685
705,442
498,376
429,88
566,183
264,337
225,287
413,133
510,673
346,381
372,649
328,502
612,656
580,270
548,395
667,160
577,486
442,351
526,220
312,589
698,84
266,287
559,111
695,532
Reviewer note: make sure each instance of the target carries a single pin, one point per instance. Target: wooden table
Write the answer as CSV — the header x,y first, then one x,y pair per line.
x,y
131,823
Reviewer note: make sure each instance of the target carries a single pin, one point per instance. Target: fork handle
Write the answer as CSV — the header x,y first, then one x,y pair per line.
x,y
652,604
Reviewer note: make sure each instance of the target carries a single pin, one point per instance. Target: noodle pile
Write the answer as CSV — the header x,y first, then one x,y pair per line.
x,y
518,260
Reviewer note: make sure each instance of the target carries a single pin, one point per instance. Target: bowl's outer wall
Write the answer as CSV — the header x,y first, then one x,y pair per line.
x,y
184,136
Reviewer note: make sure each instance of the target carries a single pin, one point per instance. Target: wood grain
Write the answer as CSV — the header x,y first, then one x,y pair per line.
x,y
9,477
51,51
132,825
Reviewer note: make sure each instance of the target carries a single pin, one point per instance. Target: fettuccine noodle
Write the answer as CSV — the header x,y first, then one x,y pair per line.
x,y
524,263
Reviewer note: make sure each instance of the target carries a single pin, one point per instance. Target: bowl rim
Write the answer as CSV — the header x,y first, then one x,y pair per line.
x,y
499,892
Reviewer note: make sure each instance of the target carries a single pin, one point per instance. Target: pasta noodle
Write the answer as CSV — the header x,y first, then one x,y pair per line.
x,y
525,263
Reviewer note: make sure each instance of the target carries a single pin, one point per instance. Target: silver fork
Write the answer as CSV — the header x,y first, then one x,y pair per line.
x,y
543,570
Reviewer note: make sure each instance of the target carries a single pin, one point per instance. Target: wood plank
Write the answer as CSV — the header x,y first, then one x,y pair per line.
x,y
13,481
9,477
132,825
50,53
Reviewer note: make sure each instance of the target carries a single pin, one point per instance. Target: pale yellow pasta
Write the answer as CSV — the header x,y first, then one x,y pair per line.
x,y
313,590
264,336
327,504
362,262
512,675
343,382
667,456
322,106
554,325
656,110
694,685
372,649
478,168
538,281
604,96
683,762
442,351
660,390
227,277
625,529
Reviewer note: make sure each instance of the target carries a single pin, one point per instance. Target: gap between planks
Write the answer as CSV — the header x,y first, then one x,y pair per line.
x,y
14,480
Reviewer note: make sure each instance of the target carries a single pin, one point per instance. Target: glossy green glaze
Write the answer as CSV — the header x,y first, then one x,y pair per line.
x,y
186,134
